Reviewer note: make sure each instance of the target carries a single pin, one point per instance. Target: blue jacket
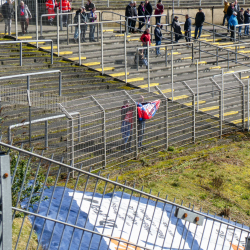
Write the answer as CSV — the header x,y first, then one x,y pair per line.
x,y
187,25
233,20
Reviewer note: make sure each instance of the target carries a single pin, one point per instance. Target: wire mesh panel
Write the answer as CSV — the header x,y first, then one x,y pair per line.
x,y
90,211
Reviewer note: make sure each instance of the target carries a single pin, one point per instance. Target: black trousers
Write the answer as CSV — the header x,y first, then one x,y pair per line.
x,y
232,32
141,24
188,36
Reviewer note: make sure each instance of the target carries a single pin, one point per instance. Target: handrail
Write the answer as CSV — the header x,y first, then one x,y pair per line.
x,y
29,41
37,73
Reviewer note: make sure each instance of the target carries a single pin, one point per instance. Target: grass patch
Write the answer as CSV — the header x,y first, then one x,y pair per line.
x,y
24,237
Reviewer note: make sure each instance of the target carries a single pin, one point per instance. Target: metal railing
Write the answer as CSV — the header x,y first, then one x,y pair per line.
x,y
28,75
129,218
29,41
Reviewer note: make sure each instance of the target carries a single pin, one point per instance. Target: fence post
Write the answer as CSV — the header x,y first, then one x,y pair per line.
x,y
166,116
125,57
166,56
79,39
21,54
60,83
6,203
213,34
57,12
103,132
234,33
36,23
236,52
16,4
28,82
222,93
79,127
228,60
243,106
217,56
136,124
148,67
72,156
197,83
221,111
172,74
102,47
248,105
192,52
29,102
61,17
51,56
46,135
200,50
193,118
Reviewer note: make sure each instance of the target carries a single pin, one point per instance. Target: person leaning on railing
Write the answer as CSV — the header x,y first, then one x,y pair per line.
x,y
159,9
83,19
233,22
246,21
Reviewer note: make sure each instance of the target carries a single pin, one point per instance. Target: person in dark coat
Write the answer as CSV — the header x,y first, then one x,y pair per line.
x,y
148,11
158,38
135,14
246,21
129,13
199,20
230,11
236,6
187,28
141,12
240,17
7,11
89,5
177,29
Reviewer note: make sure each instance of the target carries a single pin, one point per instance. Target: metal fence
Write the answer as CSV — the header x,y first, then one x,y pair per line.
x,y
190,111
93,212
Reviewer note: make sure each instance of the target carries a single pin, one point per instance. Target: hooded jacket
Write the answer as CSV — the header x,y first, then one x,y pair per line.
x,y
129,11
233,21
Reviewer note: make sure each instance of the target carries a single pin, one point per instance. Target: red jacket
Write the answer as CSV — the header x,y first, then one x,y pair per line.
x,y
146,38
159,10
50,5
65,6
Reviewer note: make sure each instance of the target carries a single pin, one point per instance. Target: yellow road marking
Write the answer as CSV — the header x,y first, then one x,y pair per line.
x,y
7,33
146,85
185,58
215,67
134,39
205,35
232,47
244,77
228,43
179,97
105,69
244,51
175,53
202,62
190,103
209,108
137,79
229,113
119,74
109,30
122,35
77,58
38,42
91,64
238,121
228,72
64,53
48,47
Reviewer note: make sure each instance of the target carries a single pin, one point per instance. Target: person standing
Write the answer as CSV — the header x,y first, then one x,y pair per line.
x,y
199,20
158,38
24,16
148,11
236,6
140,124
92,19
233,22
246,21
141,12
127,125
230,11
177,29
240,18
83,19
135,14
145,39
159,9
226,5
129,13
89,5
7,11
50,7
187,28
66,7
